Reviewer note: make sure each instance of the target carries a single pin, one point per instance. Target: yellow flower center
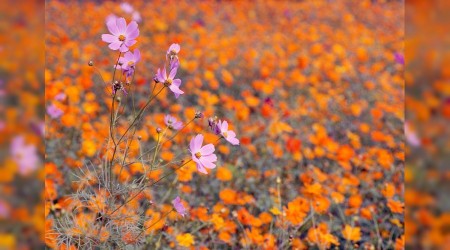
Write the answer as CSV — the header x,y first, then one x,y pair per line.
x,y
168,82
122,38
130,63
198,155
225,134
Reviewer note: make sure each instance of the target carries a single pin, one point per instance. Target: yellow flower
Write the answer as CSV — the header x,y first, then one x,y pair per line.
x,y
352,233
275,211
185,240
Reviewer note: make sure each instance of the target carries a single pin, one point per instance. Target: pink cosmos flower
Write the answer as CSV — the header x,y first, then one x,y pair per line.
x,y
169,81
60,96
229,135
126,7
172,122
128,62
54,112
111,17
136,17
411,136
122,35
202,156
24,155
178,205
5,209
173,50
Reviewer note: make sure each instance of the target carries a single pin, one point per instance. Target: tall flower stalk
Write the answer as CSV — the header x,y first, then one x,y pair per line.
x,y
113,226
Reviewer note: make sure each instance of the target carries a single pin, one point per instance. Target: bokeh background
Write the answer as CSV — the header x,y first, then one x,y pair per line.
x,y
314,90
22,124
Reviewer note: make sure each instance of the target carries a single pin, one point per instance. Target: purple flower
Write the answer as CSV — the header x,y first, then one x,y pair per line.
x,y
229,135
174,63
173,50
118,86
38,128
212,123
126,7
202,156
111,17
54,112
24,155
178,205
128,62
169,81
4,209
136,17
60,97
172,122
399,58
123,35
411,136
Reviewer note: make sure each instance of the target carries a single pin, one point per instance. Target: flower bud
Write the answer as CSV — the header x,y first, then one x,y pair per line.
x,y
158,130
91,63
198,114
139,137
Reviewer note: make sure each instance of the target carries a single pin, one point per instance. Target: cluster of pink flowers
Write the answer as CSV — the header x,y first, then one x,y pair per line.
x,y
124,36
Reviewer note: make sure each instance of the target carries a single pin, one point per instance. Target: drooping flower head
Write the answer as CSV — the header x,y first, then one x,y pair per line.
x,y
204,157
173,50
178,205
128,62
169,81
172,122
213,124
53,111
122,35
25,155
229,135
118,86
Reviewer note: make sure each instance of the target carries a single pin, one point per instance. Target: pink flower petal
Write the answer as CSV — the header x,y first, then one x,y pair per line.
x,y
121,25
207,149
201,169
109,38
132,26
112,26
207,164
115,45
123,48
198,142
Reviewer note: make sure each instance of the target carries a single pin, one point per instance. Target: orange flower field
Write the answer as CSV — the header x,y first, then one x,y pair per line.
x,y
313,91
